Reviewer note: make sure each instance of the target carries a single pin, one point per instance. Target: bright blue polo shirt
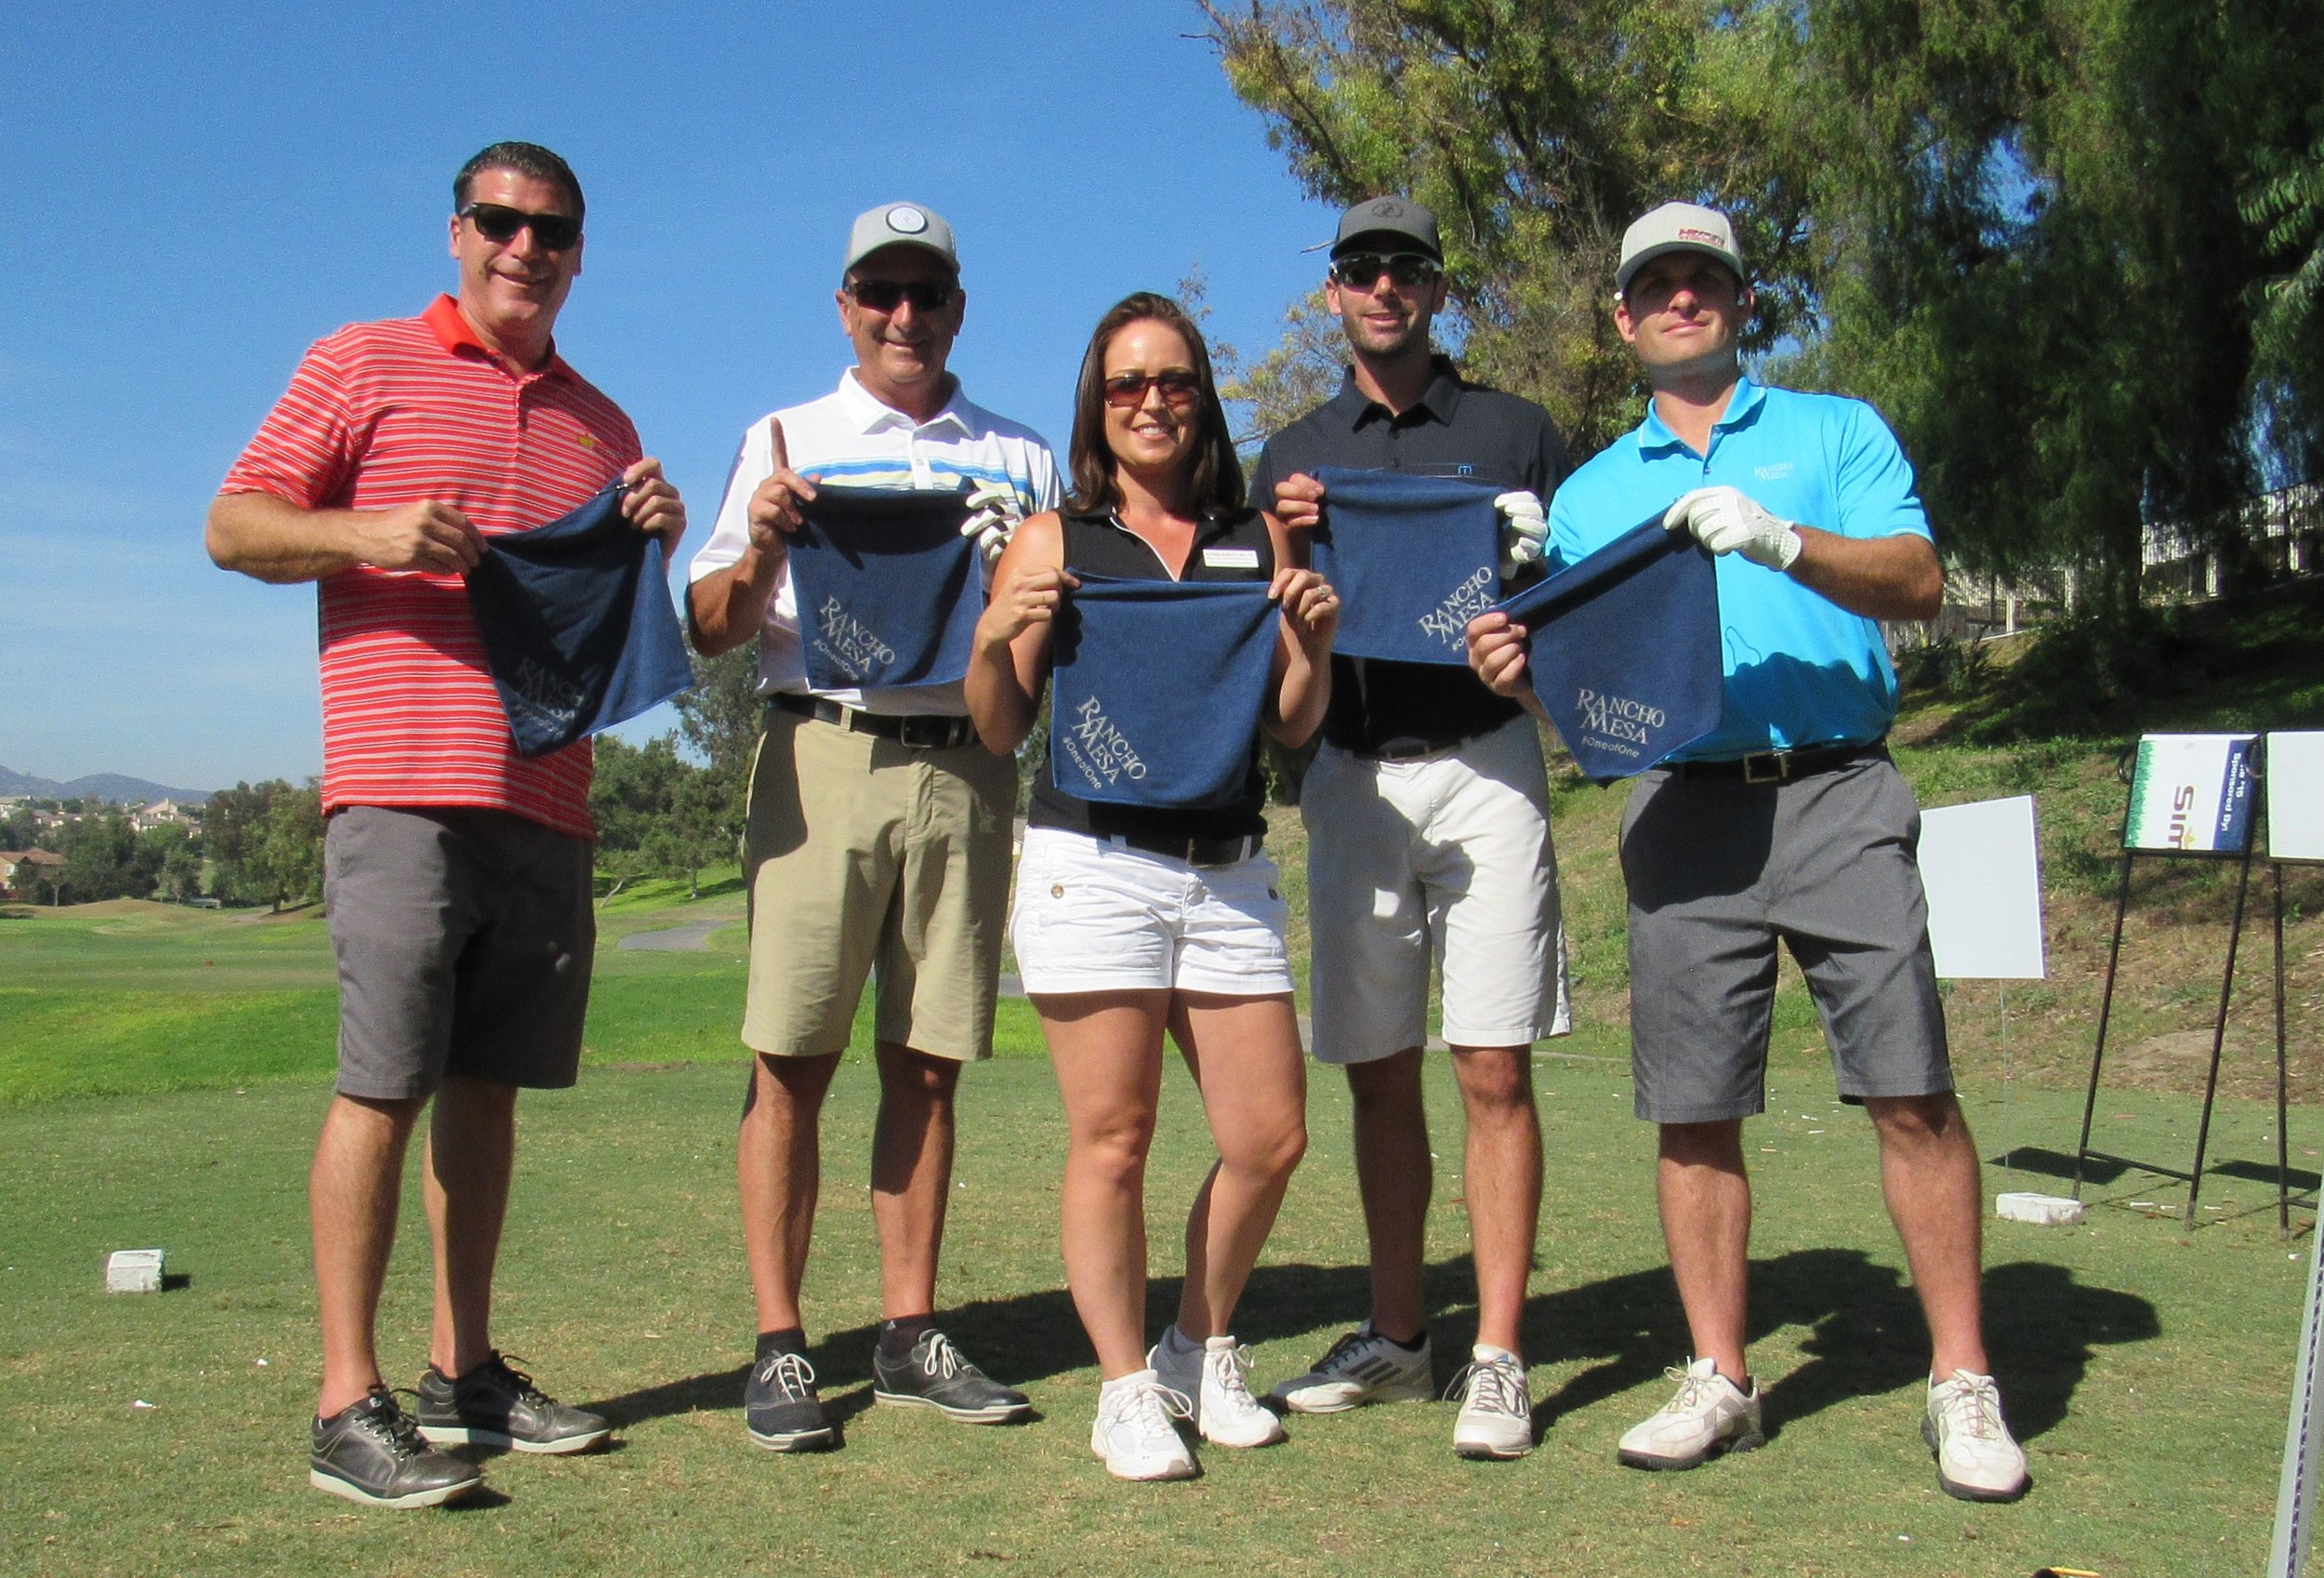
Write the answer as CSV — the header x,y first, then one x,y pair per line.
x,y
1799,669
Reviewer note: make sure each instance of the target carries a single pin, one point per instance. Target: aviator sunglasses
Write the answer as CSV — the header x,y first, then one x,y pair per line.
x,y
1179,387
494,222
882,295
1361,271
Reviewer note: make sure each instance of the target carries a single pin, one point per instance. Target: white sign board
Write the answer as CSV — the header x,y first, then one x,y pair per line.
x,y
2295,797
2191,793
1984,881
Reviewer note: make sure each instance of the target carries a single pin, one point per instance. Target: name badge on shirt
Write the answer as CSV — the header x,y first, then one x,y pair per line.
x,y
1230,558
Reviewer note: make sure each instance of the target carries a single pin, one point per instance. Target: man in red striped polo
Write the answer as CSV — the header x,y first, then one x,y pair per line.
x,y
457,873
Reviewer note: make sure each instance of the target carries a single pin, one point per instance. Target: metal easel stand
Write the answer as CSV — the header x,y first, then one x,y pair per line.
x,y
2194,1176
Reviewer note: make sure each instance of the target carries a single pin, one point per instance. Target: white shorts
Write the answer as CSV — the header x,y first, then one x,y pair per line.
x,y
1443,857
1093,915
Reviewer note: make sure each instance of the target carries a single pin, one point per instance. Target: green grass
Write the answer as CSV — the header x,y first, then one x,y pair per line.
x,y
2148,1368
118,998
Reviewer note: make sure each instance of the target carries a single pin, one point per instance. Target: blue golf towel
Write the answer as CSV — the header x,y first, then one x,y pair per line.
x,y
1413,559
889,592
1624,650
1156,689
577,626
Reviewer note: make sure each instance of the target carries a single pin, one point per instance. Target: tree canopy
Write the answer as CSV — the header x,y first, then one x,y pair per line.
x,y
2074,249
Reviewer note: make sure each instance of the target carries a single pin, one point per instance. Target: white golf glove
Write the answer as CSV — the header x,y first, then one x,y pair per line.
x,y
1725,520
995,512
1524,531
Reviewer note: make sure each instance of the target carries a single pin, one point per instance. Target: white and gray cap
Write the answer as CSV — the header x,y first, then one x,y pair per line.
x,y
900,224
1678,226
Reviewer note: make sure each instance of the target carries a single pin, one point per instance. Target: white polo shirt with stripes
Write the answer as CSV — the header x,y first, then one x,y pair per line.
x,y
850,438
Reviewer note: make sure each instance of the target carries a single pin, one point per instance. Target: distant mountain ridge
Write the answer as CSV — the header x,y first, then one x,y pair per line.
x,y
116,787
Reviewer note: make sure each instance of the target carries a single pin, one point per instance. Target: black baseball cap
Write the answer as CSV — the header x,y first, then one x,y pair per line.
x,y
1376,219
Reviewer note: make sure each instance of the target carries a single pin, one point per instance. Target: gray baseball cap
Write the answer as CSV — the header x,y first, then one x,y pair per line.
x,y
1678,226
900,224
1381,216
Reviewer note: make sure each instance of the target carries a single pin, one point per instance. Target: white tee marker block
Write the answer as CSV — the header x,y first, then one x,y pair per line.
x,y
2042,1211
132,1271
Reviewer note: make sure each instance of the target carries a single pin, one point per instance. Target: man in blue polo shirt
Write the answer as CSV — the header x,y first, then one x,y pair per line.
x,y
1789,823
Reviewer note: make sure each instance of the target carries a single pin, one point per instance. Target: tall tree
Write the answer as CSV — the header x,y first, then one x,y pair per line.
x,y
720,721
104,859
288,863
1537,129
2287,204
2012,224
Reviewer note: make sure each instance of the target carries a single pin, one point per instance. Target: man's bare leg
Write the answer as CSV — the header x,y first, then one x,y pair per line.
x,y
1929,1175
1393,1177
1706,1200
912,1144
464,1181
778,1163
353,1189
1502,1183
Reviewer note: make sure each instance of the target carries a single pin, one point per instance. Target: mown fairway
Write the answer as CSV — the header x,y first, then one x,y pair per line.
x,y
162,1072
2148,1370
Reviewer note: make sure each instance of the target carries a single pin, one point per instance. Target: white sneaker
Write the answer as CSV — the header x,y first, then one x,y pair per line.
x,y
1133,1431
1709,1415
1496,1410
1178,1364
1976,1459
1217,1376
1362,1367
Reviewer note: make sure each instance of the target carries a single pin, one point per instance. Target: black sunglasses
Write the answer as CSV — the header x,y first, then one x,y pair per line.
x,y
494,222
1361,271
883,296
1179,387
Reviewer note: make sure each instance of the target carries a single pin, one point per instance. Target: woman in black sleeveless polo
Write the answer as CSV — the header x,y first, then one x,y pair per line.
x,y
1132,919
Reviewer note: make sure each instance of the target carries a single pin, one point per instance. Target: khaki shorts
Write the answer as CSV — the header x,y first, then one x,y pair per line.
x,y
864,852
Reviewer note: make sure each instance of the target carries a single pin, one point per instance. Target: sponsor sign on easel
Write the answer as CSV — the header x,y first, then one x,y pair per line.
x,y
2191,794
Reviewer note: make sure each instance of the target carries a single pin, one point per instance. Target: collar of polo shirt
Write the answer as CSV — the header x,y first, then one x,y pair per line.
x,y
1741,405
455,334
870,414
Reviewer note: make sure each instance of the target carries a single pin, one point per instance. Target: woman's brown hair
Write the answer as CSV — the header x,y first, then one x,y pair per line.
x,y
1215,485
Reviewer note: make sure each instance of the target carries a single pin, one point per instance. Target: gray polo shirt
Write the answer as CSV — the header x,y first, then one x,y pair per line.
x,y
1458,428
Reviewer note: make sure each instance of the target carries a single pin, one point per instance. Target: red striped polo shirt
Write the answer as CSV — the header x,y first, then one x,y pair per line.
x,y
387,414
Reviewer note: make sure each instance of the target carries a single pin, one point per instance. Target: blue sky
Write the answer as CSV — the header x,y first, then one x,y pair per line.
x,y
192,194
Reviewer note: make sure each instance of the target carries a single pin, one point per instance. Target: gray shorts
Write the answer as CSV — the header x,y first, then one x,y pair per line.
x,y
1718,870
464,940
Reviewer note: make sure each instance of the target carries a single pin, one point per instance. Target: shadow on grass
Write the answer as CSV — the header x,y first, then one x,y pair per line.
x,y
2300,1178
1866,1334
2050,1163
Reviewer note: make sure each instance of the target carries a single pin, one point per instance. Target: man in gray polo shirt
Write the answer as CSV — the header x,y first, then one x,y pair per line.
x,y
878,834
1427,810
1788,824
